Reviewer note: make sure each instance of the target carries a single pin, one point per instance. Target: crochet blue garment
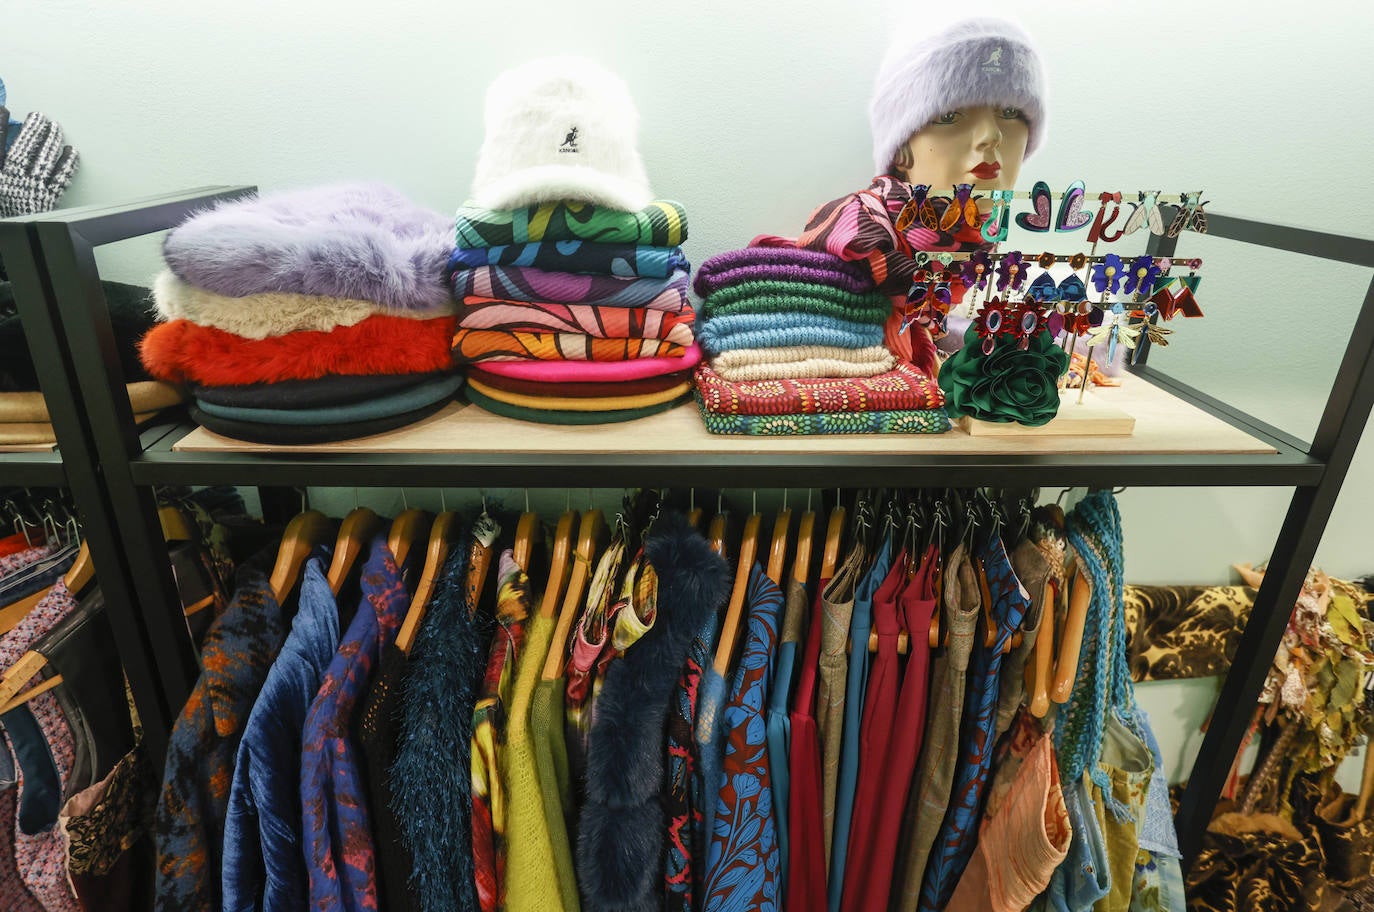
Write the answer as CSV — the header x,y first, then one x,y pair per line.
x,y
432,789
733,331
1103,680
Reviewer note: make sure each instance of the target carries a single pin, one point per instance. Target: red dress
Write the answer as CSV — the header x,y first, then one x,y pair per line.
x,y
875,734
872,882
805,889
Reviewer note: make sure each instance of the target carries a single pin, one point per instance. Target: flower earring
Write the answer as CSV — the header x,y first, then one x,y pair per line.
x,y
991,323
1071,214
1037,220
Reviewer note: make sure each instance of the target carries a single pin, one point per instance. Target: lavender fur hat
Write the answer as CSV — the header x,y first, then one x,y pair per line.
x,y
981,61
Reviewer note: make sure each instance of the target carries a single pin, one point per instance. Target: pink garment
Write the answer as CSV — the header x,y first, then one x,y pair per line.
x,y
594,371
41,859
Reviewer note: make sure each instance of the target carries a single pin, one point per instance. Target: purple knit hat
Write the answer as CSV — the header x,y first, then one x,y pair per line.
x,y
779,264
981,61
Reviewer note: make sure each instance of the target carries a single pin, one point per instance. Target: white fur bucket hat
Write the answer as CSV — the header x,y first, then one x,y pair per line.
x,y
560,128
982,61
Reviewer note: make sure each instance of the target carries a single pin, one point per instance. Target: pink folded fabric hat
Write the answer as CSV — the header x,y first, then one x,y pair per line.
x,y
594,371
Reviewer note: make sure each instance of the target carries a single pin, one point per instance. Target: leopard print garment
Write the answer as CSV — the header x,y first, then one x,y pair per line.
x,y
1184,631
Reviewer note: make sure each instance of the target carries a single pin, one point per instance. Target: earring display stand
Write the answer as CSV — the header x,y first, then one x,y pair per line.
x,y
462,446
1097,415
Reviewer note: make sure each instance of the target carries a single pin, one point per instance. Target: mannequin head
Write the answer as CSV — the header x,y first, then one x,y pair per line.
x,y
944,104
960,146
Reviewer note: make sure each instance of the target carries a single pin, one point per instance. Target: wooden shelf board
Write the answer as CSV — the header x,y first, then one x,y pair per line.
x,y
1165,424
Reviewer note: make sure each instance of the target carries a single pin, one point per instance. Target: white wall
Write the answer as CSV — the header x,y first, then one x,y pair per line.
x,y
752,113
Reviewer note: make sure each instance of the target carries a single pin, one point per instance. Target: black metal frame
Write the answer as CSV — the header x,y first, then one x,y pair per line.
x,y
73,465
1316,470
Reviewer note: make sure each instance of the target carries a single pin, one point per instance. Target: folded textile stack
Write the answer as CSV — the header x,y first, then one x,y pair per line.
x,y
308,316
24,417
795,345
571,281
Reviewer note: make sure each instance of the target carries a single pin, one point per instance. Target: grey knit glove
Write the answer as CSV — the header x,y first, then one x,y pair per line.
x,y
37,168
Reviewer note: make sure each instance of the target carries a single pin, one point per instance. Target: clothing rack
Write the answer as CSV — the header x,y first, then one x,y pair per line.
x,y
61,278
72,464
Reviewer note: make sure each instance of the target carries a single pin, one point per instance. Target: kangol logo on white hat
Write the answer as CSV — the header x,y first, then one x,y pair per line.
x,y
993,63
557,129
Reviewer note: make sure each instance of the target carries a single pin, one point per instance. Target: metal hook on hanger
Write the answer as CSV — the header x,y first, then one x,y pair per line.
x,y
808,500
405,502
527,500
443,500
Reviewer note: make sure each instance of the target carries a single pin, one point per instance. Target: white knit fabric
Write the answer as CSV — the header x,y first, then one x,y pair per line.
x,y
799,362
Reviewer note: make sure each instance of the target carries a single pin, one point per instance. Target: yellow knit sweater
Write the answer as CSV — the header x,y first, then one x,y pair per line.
x,y
530,883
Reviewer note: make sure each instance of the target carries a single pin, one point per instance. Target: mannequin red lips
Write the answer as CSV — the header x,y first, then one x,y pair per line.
x,y
987,171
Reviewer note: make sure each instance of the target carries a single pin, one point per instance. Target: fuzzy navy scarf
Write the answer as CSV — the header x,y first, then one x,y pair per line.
x,y
431,778
621,831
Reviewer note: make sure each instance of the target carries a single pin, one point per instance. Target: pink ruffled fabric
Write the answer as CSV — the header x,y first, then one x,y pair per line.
x,y
594,371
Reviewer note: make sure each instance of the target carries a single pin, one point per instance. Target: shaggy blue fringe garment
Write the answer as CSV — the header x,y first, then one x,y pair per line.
x,y
432,787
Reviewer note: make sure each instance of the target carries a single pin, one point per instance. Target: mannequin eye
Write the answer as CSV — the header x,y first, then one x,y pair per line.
x,y
1011,113
948,117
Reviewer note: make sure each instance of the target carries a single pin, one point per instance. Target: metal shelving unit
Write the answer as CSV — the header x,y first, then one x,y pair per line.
x,y
132,463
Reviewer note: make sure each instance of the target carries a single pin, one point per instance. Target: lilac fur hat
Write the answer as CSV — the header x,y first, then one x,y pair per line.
x,y
981,61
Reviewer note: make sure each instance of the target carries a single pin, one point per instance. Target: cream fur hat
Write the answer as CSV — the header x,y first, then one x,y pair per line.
x,y
560,128
980,61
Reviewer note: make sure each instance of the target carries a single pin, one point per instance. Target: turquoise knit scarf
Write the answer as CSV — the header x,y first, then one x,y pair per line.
x,y
1103,681
777,330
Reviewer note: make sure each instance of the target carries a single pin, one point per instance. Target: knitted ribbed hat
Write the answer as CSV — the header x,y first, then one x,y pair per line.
x,y
560,128
973,62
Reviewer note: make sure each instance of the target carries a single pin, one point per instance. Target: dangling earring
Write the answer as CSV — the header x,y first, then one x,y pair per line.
x,y
1147,213
1190,215
1039,219
999,219
1071,214
1101,223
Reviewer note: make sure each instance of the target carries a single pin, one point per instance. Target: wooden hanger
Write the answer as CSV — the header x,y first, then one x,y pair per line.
x,y
407,528
355,533
806,533
729,631
588,542
777,554
442,534
525,532
484,534
560,566
1071,639
1039,667
78,577
715,536
834,534
303,533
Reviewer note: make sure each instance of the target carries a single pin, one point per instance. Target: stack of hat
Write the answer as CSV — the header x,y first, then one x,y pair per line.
x,y
795,345
308,316
571,281
24,420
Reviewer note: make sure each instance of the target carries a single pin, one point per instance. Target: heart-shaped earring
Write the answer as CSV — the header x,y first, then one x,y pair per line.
x,y
1039,219
1071,214
1103,222
999,219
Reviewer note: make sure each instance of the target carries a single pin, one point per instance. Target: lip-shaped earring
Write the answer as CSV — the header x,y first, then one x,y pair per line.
x,y
1071,214
1038,219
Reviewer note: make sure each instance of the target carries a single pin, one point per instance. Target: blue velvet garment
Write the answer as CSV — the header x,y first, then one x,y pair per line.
x,y
860,623
706,786
41,797
431,789
264,864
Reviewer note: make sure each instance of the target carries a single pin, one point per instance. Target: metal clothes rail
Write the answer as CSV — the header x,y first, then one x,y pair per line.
x,y
131,465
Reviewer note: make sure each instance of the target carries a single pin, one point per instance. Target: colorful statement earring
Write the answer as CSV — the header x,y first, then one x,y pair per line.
x,y
994,230
1071,214
1038,219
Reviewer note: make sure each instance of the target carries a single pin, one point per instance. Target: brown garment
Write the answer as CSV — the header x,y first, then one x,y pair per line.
x,y
1179,632
24,433
837,605
144,396
929,797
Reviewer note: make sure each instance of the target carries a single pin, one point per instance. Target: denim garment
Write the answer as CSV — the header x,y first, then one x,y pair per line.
x,y
264,863
340,855
779,723
1085,876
